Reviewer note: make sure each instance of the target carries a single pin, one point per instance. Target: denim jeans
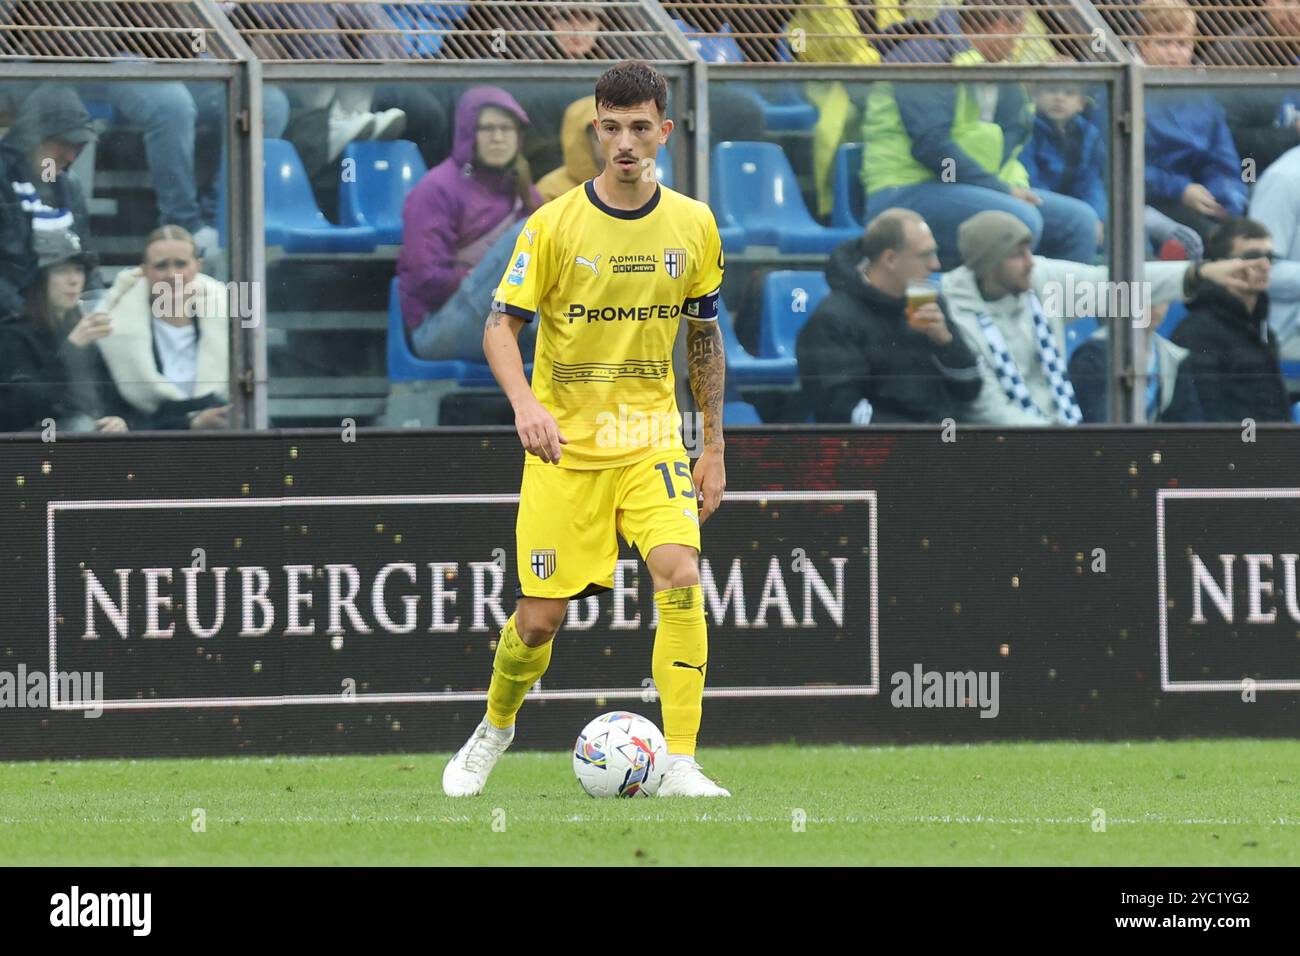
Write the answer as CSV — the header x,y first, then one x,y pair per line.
x,y
455,331
1062,227
168,113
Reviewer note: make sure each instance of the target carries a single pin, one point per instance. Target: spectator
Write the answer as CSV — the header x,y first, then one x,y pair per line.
x,y
48,371
453,217
1270,39
168,356
1193,171
1265,122
1066,153
1171,393
577,34
949,151
862,356
583,158
1234,354
997,298
38,192
1275,204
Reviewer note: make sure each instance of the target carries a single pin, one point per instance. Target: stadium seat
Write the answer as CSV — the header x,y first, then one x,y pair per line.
x,y
384,173
293,220
789,298
787,110
1176,313
405,366
746,368
849,209
1076,333
664,168
784,108
754,189
1291,370
743,413
423,25
717,47
1295,413
733,238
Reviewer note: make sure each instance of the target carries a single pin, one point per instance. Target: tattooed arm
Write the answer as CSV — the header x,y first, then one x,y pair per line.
x,y
707,366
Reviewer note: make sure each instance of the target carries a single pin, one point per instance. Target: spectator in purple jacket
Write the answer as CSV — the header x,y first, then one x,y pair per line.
x,y
455,214
1193,171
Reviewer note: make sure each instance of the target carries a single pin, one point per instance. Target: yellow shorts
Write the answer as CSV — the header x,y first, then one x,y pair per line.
x,y
565,535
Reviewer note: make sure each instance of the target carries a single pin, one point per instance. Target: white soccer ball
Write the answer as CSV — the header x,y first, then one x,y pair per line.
x,y
620,754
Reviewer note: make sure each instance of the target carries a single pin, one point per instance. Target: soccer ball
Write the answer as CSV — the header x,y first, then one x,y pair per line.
x,y
620,755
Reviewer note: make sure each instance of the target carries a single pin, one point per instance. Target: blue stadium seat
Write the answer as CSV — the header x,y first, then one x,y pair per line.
x,y
787,109
717,47
1291,370
1177,312
1076,333
789,298
405,366
733,238
431,21
746,369
849,204
754,188
664,167
293,220
385,172
1295,413
742,413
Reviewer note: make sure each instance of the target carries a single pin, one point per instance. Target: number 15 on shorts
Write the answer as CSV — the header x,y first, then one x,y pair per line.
x,y
683,470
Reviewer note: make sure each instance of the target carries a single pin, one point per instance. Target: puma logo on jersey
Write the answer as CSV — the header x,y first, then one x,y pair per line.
x,y
529,233
589,263
692,515
694,667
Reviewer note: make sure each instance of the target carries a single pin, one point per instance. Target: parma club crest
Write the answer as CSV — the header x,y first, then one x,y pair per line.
x,y
544,563
675,262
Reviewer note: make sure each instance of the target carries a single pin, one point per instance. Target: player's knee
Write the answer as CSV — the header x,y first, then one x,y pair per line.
x,y
684,574
537,625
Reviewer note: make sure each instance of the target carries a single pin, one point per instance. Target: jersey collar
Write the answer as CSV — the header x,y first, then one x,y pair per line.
x,y
645,210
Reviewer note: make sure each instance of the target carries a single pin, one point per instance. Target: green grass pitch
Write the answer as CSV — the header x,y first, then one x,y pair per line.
x,y
1223,802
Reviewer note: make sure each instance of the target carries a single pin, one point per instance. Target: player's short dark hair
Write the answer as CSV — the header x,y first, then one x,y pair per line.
x,y
887,233
976,16
1218,244
632,83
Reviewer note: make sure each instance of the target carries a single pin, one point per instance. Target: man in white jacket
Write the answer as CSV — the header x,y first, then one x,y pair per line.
x,y
1014,306
1275,203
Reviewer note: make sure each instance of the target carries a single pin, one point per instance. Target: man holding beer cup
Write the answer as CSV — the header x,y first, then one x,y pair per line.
x,y
880,347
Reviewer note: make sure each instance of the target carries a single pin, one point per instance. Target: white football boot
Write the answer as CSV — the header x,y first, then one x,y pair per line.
x,y
684,778
467,772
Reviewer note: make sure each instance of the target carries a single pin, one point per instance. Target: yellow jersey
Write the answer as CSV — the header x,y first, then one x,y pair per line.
x,y
609,287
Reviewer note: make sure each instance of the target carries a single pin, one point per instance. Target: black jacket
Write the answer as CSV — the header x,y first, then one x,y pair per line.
x,y
1088,376
43,375
858,345
1233,358
47,109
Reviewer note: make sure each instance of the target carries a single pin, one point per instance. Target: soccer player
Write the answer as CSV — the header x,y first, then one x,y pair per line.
x,y
608,269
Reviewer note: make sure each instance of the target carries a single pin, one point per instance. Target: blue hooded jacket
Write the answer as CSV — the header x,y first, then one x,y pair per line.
x,y
1069,163
1188,141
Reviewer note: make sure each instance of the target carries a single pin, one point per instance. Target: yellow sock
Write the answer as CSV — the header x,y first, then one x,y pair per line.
x,y
515,670
681,651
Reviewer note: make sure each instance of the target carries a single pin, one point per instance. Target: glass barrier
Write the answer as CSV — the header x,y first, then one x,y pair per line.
x,y
114,307
392,214
1223,185
869,280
